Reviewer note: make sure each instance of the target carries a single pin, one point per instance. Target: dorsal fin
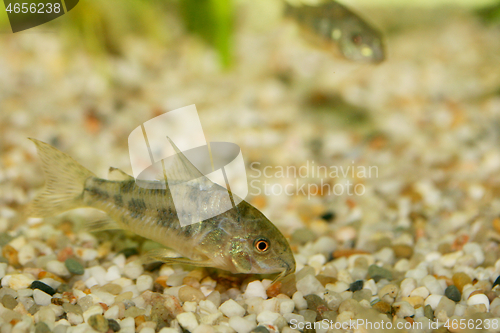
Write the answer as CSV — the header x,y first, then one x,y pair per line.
x,y
117,174
179,168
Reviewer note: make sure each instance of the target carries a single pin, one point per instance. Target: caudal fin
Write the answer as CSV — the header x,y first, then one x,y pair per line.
x,y
64,182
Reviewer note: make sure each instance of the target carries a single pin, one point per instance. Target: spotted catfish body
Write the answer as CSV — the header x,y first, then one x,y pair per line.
x,y
336,24
240,240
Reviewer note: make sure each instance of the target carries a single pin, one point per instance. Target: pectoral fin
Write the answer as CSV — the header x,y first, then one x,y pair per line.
x,y
168,256
242,262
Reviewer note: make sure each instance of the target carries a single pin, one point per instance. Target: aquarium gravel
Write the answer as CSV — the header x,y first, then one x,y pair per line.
x,y
418,246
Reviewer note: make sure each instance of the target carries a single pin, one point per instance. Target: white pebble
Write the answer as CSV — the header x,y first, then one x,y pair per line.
x,y
144,282
434,287
187,320
403,309
337,287
168,330
479,299
26,254
112,312
133,269
93,310
268,317
255,289
450,259
18,281
310,285
300,302
88,254
316,261
207,307
211,318
417,273
433,301
407,286
230,308
3,268
147,330
241,325
99,274
287,306
420,291
403,265
189,306
113,273
370,284
58,268
41,298
74,318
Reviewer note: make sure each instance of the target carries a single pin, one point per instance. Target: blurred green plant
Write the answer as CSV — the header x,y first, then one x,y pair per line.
x,y
102,25
213,21
490,14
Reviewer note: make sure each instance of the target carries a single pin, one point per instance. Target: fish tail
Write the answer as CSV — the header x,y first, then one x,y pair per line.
x,y
64,182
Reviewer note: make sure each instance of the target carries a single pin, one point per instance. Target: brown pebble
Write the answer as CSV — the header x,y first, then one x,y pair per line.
x,y
460,280
382,307
415,301
172,304
10,253
139,320
324,280
347,253
190,294
445,248
162,281
65,254
402,251
191,281
274,289
104,306
491,295
45,274
496,224
475,292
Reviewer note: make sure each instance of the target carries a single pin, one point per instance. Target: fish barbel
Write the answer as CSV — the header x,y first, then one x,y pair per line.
x,y
240,240
335,23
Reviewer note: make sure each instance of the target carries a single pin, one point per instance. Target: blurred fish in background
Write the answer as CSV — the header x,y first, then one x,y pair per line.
x,y
336,24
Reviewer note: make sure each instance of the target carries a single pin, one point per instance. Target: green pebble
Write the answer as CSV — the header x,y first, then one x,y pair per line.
x,y
260,329
9,301
128,252
452,293
74,267
33,309
41,327
428,312
378,273
99,323
5,238
113,325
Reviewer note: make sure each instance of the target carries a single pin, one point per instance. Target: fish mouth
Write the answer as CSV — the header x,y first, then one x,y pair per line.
x,y
288,270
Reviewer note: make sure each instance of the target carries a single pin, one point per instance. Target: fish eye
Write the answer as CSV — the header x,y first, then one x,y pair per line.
x,y
261,245
357,39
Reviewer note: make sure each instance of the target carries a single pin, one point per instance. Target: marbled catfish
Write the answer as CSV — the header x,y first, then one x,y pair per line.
x,y
240,240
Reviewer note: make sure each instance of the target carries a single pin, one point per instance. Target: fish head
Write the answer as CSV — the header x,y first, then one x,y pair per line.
x,y
262,249
359,42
